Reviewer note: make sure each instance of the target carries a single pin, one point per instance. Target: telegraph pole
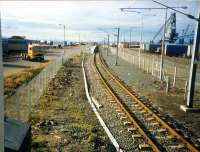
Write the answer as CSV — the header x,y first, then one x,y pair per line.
x,y
116,61
193,67
1,96
108,44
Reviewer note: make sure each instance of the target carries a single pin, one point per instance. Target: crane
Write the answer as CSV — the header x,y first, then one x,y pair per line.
x,y
170,35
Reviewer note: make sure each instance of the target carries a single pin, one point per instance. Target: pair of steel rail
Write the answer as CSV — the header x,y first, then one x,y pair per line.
x,y
147,127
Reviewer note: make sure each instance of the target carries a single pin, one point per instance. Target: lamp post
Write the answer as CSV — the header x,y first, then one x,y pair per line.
x,y
63,36
1,96
141,29
158,8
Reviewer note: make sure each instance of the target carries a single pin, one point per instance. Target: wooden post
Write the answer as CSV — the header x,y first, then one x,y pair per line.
x,y
30,100
174,82
152,72
143,64
186,88
17,99
167,84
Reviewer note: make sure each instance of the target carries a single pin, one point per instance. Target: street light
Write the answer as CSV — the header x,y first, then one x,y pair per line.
x,y
63,33
118,30
161,8
141,29
63,42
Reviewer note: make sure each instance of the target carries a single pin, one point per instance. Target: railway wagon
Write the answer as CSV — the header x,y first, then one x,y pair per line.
x,y
15,45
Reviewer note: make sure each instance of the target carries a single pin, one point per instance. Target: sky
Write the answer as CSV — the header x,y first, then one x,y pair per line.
x,y
89,20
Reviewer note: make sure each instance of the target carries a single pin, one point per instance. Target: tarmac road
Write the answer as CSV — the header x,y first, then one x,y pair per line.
x,y
17,65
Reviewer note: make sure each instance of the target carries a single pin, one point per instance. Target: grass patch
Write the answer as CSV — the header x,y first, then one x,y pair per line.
x,y
75,127
12,82
39,143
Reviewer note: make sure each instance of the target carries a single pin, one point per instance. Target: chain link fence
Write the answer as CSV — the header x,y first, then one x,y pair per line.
x,y
174,74
19,104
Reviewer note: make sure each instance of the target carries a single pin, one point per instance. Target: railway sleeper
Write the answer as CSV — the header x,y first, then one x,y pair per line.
x,y
137,136
162,130
121,114
145,147
131,129
150,119
112,101
179,146
142,112
123,118
127,123
154,124
168,138
118,110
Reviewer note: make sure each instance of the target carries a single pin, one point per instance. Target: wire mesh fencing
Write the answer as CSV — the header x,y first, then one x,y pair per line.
x,y
175,74
19,105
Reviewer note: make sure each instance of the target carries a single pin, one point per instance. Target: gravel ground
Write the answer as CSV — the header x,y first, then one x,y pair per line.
x,y
63,121
169,63
148,86
108,112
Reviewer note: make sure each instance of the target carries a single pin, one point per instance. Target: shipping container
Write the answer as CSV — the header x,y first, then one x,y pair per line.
x,y
177,49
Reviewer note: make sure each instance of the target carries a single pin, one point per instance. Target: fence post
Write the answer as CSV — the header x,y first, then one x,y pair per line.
x,y
174,82
152,68
186,87
167,84
133,59
139,61
46,82
30,101
17,104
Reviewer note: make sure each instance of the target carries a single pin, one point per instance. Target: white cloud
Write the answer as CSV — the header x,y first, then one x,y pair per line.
x,y
40,19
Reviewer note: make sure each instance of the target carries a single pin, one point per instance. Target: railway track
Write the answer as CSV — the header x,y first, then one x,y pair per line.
x,y
148,131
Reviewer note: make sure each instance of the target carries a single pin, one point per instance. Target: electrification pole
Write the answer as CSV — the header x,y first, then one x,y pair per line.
x,y
116,61
194,60
1,96
193,67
